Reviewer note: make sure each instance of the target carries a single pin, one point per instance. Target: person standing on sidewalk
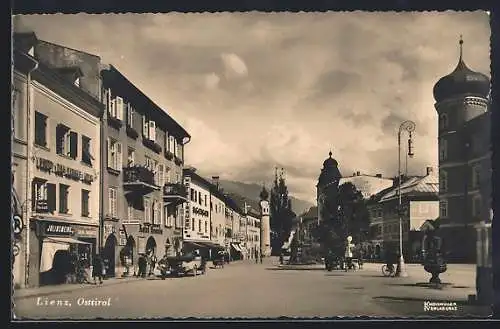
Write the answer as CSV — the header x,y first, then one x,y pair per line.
x,y
256,256
153,264
98,269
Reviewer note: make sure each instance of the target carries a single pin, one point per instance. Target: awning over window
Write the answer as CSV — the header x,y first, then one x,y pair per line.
x,y
66,240
236,247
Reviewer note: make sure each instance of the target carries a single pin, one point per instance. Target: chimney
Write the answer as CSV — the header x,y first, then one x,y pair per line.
x,y
215,181
430,170
378,175
358,173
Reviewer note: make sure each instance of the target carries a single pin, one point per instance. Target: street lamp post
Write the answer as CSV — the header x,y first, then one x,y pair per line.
x,y
409,126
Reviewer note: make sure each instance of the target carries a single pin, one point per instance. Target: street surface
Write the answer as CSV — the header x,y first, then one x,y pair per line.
x,y
248,290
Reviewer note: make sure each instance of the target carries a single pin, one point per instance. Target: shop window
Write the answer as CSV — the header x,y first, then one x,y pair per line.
x,y
40,129
63,199
113,202
86,153
85,203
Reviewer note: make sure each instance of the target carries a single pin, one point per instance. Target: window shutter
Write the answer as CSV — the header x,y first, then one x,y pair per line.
x,y
175,147
112,108
119,156
73,144
171,144
145,126
110,154
51,197
152,130
166,141
119,108
108,100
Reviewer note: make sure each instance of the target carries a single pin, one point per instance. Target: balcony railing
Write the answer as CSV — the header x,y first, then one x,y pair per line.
x,y
174,193
140,179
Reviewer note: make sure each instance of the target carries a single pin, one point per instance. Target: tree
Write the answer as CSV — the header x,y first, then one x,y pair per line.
x,y
281,214
353,213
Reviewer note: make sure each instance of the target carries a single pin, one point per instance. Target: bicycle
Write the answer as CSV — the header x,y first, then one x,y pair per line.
x,y
386,271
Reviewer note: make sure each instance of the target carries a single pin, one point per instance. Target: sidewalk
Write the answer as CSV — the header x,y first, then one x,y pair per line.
x,y
63,288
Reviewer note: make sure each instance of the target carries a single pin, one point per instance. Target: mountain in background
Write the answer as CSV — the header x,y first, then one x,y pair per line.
x,y
252,191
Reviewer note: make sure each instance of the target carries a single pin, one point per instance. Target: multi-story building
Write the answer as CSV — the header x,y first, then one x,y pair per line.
x,y
462,104
419,202
368,185
233,242
143,192
253,232
217,214
62,150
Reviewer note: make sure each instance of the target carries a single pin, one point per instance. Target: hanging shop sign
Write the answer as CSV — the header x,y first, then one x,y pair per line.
x,y
63,171
17,225
48,228
122,241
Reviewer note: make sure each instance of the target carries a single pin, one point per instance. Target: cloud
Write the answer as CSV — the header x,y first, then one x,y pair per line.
x,y
258,90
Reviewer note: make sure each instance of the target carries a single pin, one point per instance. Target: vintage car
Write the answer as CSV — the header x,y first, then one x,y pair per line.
x,y
187,264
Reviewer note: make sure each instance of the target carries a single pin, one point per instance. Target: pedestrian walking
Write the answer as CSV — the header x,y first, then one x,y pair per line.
x,y
98,269
142,266
256,256
153,264
261,257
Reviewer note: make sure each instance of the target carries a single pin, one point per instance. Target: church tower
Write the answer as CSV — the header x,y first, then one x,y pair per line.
x,y
462,99
327,189
265,229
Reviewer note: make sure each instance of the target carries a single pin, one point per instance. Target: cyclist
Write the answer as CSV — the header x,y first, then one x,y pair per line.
x,y
391,260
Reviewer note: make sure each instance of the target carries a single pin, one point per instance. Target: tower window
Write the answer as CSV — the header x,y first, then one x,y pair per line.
x,y
443,150
443,209
443,121
443,181
476,176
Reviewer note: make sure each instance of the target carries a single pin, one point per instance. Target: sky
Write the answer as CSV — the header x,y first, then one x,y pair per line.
x,y
259,90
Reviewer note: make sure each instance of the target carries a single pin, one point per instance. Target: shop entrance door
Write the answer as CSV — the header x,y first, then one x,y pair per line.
x,y
108,255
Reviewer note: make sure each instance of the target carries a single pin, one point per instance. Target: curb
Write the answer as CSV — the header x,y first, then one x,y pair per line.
x,y
90,286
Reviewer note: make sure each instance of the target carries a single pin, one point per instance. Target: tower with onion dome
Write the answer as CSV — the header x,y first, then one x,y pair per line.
x,y
462,100
327,190
265,228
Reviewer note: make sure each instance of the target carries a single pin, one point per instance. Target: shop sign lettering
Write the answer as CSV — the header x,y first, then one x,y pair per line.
x,y
59,229
200,211
150,228
86,231
63,171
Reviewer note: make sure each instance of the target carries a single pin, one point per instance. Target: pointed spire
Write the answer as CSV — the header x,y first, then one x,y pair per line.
x,y
461,43
330,153
461,64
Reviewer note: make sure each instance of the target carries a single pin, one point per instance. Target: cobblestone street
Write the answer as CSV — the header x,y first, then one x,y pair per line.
x,y
248,290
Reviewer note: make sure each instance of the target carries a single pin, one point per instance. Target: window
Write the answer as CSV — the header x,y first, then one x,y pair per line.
x,y
443,150
476,205
476,176
167,175
130,157
40,129
171,141
443,209
205,200
62,139
206,227
155,213
117,108
180,151
175,147
86,153
112,108
192,225
114,154
199,198
199,225
113,202
130,211
166,215
18,114
443,121
63,199
43,196
161,175
85,203
156,173
130,116
192,194
148,162
443,181
147,211
149,129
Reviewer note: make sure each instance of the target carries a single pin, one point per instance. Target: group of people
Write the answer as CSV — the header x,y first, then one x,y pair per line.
x,y
147,264
258,256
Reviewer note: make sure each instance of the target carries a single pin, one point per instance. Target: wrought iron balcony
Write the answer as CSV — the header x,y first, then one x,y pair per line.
x,y
174,193
139,179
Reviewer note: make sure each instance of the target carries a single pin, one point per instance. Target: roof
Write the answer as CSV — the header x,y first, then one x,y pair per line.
x,y
109,77
311,213
24,41
415,186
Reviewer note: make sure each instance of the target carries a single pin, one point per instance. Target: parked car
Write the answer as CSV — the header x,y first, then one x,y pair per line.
x,y
187,264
